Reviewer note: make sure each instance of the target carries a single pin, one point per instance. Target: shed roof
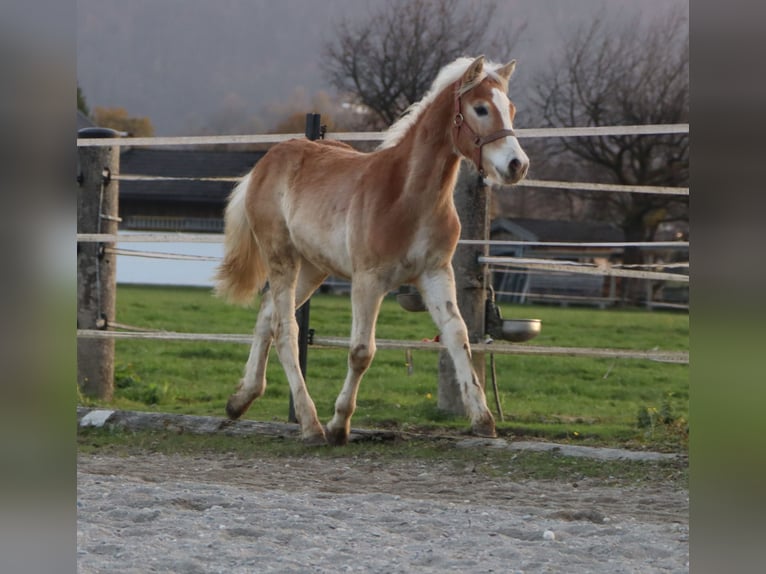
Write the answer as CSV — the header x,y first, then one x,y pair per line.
x,y
557,230
186,163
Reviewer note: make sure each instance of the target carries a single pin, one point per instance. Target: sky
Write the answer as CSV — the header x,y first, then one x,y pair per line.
x,y
196,65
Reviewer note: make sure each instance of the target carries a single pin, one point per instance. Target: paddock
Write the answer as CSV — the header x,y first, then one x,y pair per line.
x,y
373,510
216,511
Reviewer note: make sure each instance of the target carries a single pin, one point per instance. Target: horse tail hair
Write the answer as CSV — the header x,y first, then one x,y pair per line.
x,y
242,272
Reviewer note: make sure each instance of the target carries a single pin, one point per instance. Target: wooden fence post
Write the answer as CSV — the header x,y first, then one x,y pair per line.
x,y
471,201
97,198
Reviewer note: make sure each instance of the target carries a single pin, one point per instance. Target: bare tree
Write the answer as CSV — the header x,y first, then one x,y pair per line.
x,y
635,75
118,119
388,61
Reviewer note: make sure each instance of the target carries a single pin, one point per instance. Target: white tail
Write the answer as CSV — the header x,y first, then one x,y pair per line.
x,y
242,272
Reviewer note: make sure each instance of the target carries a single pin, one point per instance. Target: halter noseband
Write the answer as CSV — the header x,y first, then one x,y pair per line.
x,y
478,141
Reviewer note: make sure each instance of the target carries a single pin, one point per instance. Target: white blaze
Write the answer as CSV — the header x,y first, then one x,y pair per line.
x,y
500,155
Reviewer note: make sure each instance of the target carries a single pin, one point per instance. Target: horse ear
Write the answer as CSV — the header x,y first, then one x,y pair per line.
x,y
473,72
507,71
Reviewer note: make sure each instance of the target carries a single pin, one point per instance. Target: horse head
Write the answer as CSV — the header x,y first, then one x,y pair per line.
x,y
483,123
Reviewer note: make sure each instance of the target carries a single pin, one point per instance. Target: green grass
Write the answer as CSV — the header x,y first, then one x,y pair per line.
x,y
632,403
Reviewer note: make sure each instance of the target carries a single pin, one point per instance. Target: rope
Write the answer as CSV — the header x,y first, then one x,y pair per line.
x,y
681,265
535,295
639,244
186,257
532,264
161,255
151,238
126,327
572,267
653,129
577,186
538,183
617,270
188,140
649,129
680,357
136,177
219,238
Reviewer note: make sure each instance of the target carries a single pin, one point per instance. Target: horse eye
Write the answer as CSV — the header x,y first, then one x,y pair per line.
x,y
481,110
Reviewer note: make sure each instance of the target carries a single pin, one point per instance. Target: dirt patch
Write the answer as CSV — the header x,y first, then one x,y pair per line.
x,y
176,513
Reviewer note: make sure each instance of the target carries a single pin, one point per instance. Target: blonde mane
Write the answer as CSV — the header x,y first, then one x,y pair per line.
x,y
448,75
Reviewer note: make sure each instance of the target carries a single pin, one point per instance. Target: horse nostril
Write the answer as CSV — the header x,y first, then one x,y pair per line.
x,y
514,166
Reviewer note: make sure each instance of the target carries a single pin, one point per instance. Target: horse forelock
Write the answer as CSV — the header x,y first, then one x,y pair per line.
x,y
447,76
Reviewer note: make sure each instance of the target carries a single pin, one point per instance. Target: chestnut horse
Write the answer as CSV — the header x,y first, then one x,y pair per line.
x,y
310,209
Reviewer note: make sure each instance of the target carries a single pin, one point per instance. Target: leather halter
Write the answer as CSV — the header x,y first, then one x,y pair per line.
x,y
478,141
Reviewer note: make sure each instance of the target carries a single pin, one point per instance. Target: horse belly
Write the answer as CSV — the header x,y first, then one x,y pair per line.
x,y
325,247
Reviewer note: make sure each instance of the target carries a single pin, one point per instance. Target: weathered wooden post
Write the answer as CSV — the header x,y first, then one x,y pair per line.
x,y
471,201
97,198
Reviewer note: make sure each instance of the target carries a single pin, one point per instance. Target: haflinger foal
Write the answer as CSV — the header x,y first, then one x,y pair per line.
x,y
310,209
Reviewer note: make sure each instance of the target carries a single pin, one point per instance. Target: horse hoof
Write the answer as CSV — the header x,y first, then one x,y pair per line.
x,y
314,440
484,429
235,407
337,437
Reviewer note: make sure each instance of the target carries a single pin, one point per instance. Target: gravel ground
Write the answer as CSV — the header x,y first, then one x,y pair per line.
x,y
183,514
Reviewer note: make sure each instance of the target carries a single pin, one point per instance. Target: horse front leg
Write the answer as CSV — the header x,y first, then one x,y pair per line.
x,y
438,291
366,297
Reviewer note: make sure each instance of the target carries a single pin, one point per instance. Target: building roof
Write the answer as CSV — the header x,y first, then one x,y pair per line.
x,y
522,229
186,163
554,230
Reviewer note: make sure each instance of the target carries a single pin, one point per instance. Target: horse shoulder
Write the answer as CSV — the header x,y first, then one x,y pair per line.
x,y
441,233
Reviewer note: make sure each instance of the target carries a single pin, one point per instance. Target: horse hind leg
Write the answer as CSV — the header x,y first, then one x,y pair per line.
x,y
252,385
285,333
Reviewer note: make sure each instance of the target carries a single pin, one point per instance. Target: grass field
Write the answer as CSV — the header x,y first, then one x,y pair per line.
x,y
632,403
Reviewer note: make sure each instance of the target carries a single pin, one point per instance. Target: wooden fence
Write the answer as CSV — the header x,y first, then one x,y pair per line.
x,y
97,237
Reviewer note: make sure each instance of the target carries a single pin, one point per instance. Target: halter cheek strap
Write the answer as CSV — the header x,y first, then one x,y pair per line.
x,y
478,141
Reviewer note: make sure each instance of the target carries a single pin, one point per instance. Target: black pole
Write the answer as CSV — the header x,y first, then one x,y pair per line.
x,y
313,132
